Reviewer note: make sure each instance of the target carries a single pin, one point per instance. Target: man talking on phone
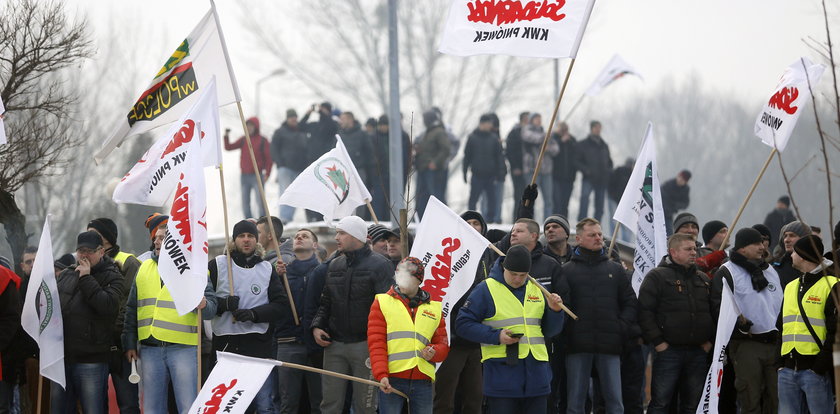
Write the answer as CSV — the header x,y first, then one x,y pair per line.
x,y
511,319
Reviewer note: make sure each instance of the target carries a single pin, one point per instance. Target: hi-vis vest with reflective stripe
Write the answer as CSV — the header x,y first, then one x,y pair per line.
x,y
512,314
121,257
795,334
156,314
406,338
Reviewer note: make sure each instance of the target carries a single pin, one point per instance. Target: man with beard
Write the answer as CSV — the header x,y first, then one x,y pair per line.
x,y
556,230
782,261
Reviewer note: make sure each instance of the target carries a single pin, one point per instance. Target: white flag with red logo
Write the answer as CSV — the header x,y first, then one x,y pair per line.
x,y
777,119
527,28
200,57
151,180
451,251
726,321
232,385
183,254
616,68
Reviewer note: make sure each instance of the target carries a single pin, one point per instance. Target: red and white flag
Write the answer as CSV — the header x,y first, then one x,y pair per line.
x,y
726,321
616,68
232,385
451,250
151,181
777,119
527,28
183,255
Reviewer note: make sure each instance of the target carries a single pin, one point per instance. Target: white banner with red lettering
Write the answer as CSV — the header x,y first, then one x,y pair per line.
x,y
726,322
183,255
151,180
451,251
527,28
232,385
777,119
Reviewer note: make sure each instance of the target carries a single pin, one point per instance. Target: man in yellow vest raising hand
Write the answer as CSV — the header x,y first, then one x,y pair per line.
x,y
809,321
512,320
406,336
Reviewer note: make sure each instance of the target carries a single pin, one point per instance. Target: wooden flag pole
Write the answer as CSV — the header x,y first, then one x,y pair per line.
x,y
227,230
265,207
746,200
372,213
551,124
336,374
571,111
545,291
40,391
612,240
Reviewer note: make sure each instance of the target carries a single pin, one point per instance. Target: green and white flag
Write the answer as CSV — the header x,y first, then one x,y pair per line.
x,y
41,315
330,185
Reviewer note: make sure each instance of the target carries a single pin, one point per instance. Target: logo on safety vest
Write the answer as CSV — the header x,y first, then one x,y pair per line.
x,y
255,289
533,298
816,300
429,314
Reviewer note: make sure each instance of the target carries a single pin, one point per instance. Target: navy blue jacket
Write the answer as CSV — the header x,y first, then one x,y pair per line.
x,y
528,378
297,272
312,300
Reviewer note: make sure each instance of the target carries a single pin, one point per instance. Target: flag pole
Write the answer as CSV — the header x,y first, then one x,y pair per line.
x,y
571,111
612,239
746,200
551,124
334,374
227,229
40,391
372,213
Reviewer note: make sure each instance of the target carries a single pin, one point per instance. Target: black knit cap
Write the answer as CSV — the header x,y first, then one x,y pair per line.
x,y
683,219
746,237
474,215
377,231
518,259
245,226
710,229
560,220
810,248
64,261
106,227
764,230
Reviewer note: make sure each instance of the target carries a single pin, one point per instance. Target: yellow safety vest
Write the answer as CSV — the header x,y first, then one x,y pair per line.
x,y
406,337
795,334
121,257
156,314
512,314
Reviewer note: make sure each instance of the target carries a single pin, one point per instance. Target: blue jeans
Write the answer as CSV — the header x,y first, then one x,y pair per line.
x,y
579,370
128,394
419,395
586,189
798,387
532,405
290,381
486,185
285,176
264,400
248,184
562,195
545,183
429,184
159,365
683,367
87,384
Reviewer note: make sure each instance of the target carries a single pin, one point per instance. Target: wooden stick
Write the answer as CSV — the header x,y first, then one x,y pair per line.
x,y
258,174
372,213
571,111
551,123
40,390
227,231
335,374
404,231
545,291
746,200
612,240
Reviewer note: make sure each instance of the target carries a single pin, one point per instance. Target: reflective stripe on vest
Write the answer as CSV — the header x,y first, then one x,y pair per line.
x,y
406,337
512,314
156,314
795,334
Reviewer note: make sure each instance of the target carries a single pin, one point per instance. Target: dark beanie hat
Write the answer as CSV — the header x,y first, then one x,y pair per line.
x,y
494,235
245,226
712,228
810,248
377,231
474,215
154,221
764,230
106,227
784,200
518,259
683,219
746,237
64,261
561,220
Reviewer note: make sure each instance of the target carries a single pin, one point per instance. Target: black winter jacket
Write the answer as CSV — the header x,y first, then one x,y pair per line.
x,y
484,155
675,305
784,267
565,162
321,136
674,197
594,160
360,148
513,148
288,147
353,280
599,292
89,308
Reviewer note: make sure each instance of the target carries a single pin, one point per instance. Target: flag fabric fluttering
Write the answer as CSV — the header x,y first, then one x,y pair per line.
x,y
330,185
152,179
41,315
527,28
726,321
640,210
616,68
778,117
183,254
199,57
451,251
233,384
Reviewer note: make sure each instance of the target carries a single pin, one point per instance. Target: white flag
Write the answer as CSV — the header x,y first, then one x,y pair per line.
x,y
726,322
2,125
777,119
41,315
640,210
527,28
152,179
451,250
330,185
232,385
183,254
199,57
616,68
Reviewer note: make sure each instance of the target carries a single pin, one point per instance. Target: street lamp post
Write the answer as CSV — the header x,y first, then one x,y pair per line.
x,y
276,72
